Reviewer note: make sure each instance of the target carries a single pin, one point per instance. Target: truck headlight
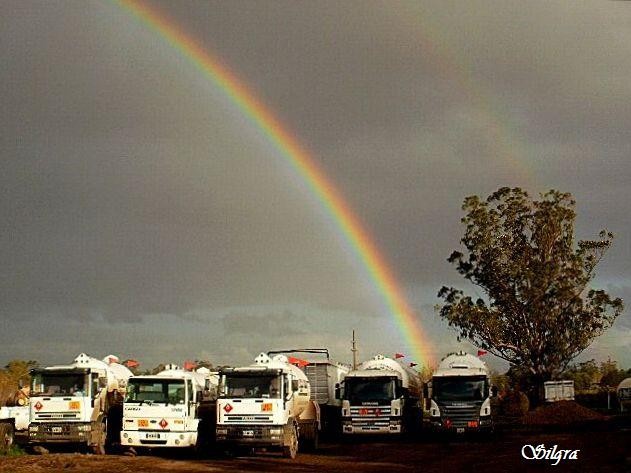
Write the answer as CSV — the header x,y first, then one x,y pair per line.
x,y
222,431
275,431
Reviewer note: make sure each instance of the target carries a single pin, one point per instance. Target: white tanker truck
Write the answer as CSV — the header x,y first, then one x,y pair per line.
x,y
80,403
14,419
174,408
382,396
458,397
268,405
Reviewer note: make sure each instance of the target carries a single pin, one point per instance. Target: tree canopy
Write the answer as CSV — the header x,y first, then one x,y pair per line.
x,y
538,311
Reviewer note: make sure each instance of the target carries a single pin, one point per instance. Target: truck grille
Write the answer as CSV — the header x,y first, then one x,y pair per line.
x,y
371,411
57,415
238,419
460,416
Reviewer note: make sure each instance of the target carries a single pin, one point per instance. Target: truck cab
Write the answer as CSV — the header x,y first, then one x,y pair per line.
x,y
75,403
381,397
169,409
266,405
458,398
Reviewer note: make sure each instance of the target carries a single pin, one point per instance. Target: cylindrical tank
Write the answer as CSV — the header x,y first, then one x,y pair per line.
x,y
410,379
117,374
462,360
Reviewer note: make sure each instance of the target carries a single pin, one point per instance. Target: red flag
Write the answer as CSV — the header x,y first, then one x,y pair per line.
x,y
297,362
189,365
398,355
482,352
412,365
131,364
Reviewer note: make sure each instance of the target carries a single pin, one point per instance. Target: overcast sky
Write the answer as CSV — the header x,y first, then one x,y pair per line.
x,y
144,215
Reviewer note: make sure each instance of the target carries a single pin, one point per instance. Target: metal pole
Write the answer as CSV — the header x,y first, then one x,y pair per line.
x,y
354,350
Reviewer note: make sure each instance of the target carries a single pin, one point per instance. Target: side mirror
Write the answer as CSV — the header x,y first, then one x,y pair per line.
x,y
338,391
102,382
425,390
493,391
294,385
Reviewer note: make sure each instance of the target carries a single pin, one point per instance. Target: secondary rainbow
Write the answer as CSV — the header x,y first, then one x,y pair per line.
x,y
304,165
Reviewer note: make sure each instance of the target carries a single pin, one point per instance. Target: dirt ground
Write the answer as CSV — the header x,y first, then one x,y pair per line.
x,y
600,451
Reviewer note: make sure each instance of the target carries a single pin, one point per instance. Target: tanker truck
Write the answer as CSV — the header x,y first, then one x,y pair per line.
x,y
79,403
174,408
382,396
458,397
14,419
266,405
323,374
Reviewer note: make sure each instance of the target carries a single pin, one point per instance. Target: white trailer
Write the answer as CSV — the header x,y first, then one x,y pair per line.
x,y
266,405
80,403
324,375
381,397
458,398
14,422
562,390
174,408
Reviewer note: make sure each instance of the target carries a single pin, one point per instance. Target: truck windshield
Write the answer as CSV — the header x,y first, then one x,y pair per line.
x,y
164,391
369,389
59,384
459,388
252,386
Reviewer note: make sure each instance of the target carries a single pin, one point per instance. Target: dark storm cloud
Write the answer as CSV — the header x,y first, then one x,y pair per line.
x,y
134,191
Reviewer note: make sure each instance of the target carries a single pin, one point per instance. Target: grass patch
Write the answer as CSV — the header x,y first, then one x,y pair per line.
x,y
14,451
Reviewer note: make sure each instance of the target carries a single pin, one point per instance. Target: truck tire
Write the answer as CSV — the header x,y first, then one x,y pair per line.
x,y
99,447
312,445
309,437
6,437
290,449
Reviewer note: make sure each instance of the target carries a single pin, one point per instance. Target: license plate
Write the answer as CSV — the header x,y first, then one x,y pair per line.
x,y
248,433
143,423
153,436
460,430
56,430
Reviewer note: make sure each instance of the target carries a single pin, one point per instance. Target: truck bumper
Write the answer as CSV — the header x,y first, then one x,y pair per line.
x,y
358,425
253,435
462,427
135,438
55,432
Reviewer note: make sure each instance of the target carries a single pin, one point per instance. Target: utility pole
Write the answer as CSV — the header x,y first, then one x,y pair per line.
x,y
354,351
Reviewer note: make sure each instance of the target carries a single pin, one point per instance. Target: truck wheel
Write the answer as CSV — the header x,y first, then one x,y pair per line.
x,y
99,447
315,440
291,449
310,437
6,437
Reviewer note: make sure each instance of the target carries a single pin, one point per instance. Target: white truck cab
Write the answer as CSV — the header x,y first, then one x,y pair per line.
x,y
77,403
458,397
169,409
381,397
268,405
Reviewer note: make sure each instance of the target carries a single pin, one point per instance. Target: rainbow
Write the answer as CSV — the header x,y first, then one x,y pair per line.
x,y
304,165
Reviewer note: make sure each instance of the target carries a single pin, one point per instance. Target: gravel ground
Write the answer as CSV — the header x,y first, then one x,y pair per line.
x,y
604,450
